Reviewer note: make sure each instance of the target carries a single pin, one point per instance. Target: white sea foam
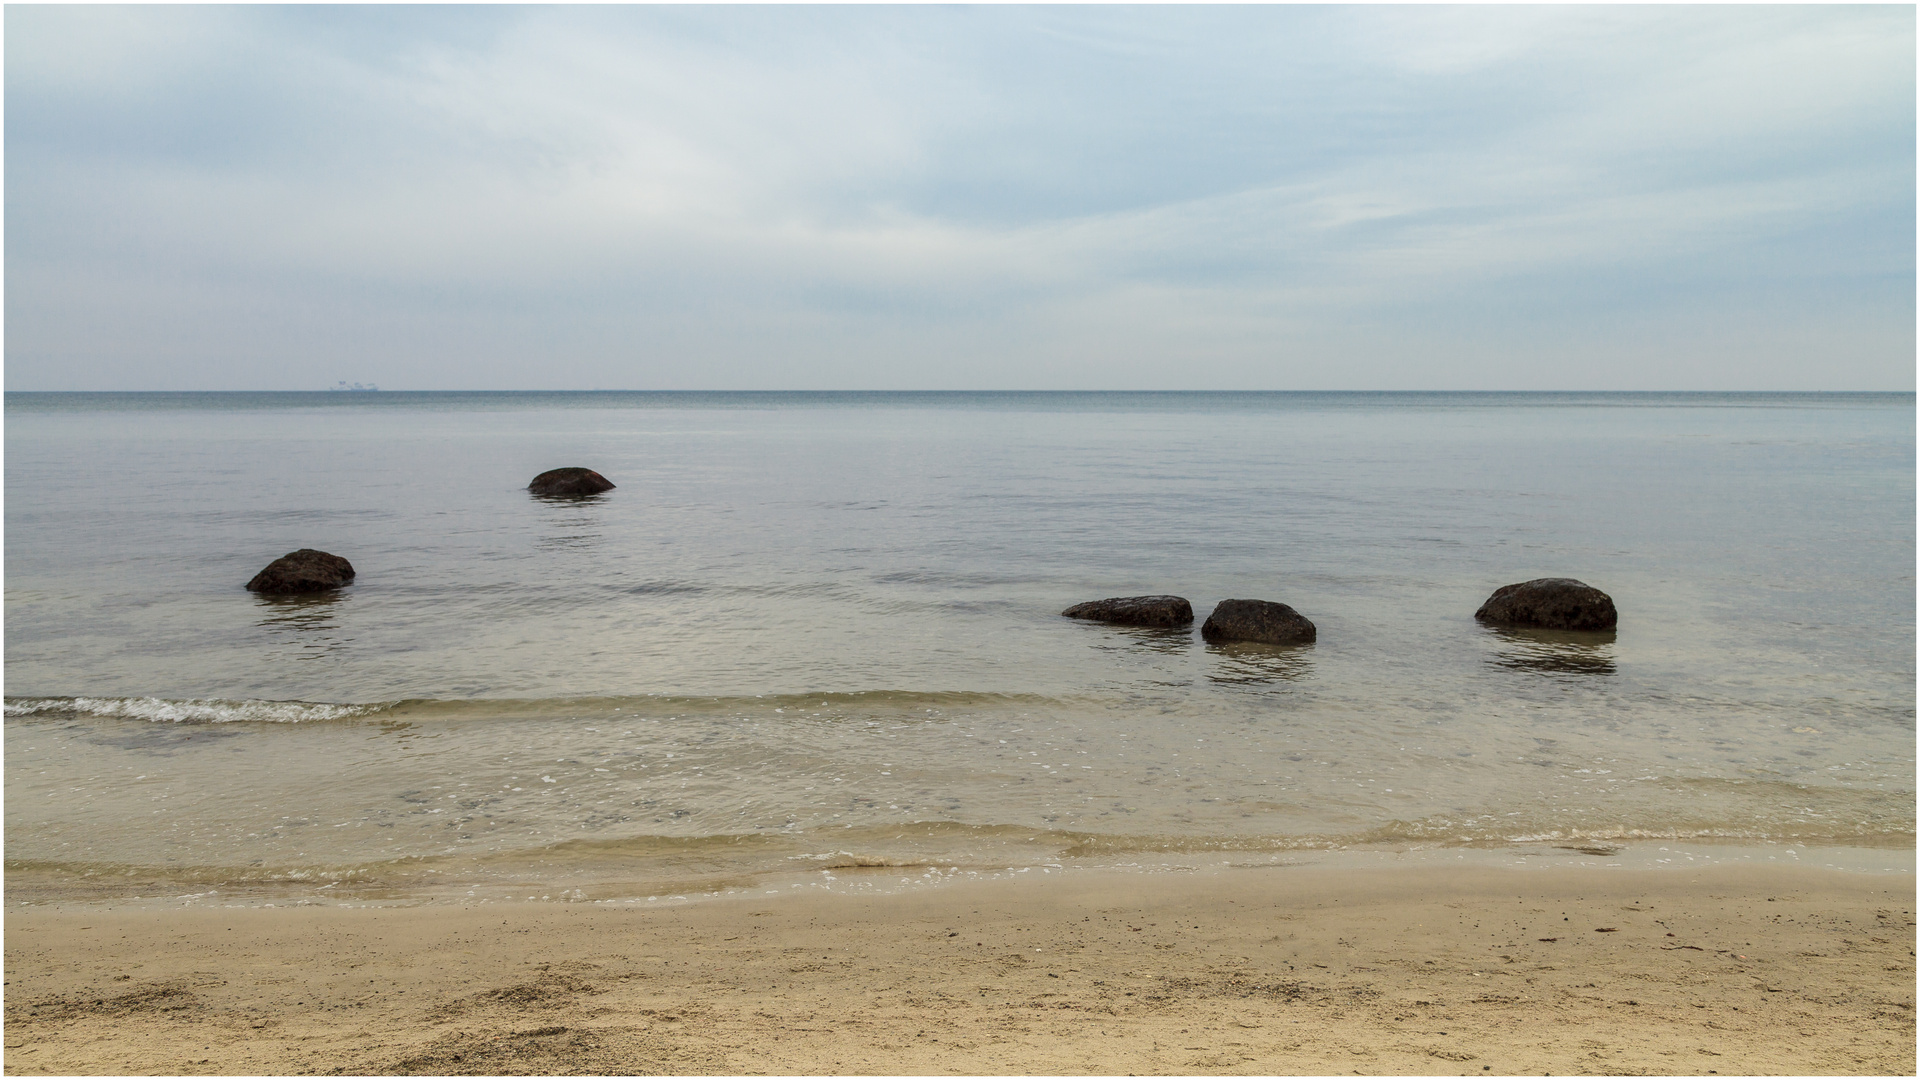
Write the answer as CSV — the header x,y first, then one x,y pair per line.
x,y
196,711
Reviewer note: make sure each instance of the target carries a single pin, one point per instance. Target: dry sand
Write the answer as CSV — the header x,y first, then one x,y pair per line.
x,y
1734,970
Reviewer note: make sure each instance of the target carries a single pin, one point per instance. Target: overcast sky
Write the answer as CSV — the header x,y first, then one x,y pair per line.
x,y
960,197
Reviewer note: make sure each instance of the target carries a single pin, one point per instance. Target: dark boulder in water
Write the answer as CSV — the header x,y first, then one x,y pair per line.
x,y
1135,611
1258,620
570,482
1554,603
302,571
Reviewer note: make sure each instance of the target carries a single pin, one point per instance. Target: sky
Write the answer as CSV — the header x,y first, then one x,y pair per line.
x,y
989,197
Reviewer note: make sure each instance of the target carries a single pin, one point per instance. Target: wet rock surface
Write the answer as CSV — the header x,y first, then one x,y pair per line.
x,y
570,481
304,571
1550,604
1258,620
1135,611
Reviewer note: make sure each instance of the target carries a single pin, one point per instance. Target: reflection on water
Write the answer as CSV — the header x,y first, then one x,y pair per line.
x,y
572,525
665,588
1158,639
580,541
1555,652
308,622
1244,662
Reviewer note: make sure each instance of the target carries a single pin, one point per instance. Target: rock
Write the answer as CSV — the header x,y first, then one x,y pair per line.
x,y
1258,620
1135,611
302,571
1553,603
570,482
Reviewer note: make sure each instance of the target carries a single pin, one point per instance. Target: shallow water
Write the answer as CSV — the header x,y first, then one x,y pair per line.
x,y
809,630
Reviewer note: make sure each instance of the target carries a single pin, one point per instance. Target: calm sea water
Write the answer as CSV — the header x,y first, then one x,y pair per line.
x,y
811,633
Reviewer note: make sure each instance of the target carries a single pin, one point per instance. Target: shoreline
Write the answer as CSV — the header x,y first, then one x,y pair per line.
x,y
1734,968
570,875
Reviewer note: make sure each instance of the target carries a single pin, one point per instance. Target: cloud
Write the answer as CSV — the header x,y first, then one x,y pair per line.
x,y
914,197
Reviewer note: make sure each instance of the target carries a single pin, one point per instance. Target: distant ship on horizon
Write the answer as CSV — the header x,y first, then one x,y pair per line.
x,y
345,385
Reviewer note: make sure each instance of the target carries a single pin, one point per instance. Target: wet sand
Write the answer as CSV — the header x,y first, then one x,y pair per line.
x,y
1429,970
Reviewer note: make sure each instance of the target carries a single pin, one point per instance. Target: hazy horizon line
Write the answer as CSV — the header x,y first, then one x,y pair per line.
x,y
903,391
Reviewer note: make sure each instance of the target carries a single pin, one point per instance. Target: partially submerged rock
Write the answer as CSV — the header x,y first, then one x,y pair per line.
x,y
303,571
1551,604
1258,620
571,481
1135,611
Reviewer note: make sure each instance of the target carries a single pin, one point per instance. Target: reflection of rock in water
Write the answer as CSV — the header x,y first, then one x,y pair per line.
x,y
572,529
1154,638
568,540
1253,662
568,500
308,621
1556,652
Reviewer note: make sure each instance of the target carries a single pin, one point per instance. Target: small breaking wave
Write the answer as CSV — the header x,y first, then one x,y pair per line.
x,y
195,711
825,705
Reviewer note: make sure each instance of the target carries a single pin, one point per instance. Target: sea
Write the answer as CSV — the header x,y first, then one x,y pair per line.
x,y
814,640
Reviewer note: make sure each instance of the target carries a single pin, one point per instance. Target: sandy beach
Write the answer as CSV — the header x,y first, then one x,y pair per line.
x,y
1285,970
